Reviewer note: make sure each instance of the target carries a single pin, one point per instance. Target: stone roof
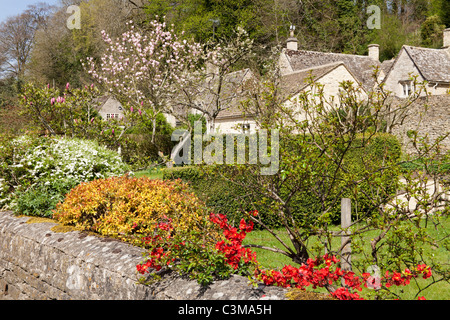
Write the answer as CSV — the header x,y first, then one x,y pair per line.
x,y
386,65
233,93
295,82
362,67
433,64
106,102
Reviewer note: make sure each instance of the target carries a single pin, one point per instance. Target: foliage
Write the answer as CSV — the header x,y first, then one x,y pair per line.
x,y
129,208
207,21
202,258
140,153
225,197
323,272
55,164
17,36
73,112
219,195
431,32
332,157
58,51
40,200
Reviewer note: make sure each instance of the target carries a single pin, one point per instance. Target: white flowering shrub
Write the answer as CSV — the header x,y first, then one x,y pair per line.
x,y
35,174
72,159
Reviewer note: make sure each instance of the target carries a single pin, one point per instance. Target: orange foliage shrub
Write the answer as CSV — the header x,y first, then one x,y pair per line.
x,y
129,208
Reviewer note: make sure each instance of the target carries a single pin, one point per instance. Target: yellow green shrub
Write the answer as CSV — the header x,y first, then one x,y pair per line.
x,y
129,208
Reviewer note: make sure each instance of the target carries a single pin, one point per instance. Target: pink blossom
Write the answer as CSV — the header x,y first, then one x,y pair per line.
x,y
67,86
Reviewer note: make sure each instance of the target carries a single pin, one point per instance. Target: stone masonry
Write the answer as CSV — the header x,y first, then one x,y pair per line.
x,y
39,264
433,121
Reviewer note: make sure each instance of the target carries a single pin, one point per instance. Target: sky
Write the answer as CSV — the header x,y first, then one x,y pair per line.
x,y
10,8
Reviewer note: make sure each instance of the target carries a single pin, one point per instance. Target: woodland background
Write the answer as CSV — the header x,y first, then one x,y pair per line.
x,y
37,45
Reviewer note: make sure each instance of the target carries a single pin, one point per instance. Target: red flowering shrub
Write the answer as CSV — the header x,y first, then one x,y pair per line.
x,y
235,255
229,256
202,260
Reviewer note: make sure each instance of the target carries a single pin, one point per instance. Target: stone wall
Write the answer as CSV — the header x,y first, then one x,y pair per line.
x,y
435,121
37,263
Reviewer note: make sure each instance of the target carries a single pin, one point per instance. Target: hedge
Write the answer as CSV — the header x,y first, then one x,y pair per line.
x,y
222,196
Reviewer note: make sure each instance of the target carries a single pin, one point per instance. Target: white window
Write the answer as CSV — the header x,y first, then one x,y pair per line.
x,y
110,116
407,88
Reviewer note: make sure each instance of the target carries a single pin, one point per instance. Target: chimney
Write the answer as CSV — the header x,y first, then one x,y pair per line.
x,y
446,38
211,69
374,52
292,42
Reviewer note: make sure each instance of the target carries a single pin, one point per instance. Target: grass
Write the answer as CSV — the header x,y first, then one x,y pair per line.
x,y
156,173
152,174
438,254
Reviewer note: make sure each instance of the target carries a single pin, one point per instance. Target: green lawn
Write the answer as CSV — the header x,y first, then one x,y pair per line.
x,y
156,173
152,174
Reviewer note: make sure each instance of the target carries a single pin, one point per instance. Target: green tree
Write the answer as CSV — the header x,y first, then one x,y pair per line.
x,y
318,153
206,19
431,32
445,12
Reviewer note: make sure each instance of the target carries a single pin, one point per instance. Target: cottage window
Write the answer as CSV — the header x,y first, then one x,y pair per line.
x,y
407,88
110,116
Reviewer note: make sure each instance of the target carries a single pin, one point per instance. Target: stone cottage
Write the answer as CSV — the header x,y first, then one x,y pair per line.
x,y
330,76
293,59
430,65
296,67
109,108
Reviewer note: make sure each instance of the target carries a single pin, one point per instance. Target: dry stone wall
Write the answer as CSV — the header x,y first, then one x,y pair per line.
x,y
39,264
433,121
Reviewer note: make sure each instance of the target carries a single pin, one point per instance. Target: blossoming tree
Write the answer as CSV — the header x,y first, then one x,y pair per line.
x,y
144,69
217,88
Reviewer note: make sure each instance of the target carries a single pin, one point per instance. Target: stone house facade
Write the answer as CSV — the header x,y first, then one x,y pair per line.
x,y
109,108
361,67
296,67
330,69
330,76
428,65
427,115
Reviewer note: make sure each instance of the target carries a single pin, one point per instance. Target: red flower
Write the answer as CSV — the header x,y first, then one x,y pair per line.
x,y
344,294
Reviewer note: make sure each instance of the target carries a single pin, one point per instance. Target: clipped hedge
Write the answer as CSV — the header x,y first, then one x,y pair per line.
x,y
224,197
128,207
219,195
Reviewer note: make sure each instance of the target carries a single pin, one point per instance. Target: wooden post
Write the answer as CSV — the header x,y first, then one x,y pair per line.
x,y
346,220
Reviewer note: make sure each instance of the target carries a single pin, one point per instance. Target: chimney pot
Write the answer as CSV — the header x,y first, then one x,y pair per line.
x,y
447,38
292,42
374,52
